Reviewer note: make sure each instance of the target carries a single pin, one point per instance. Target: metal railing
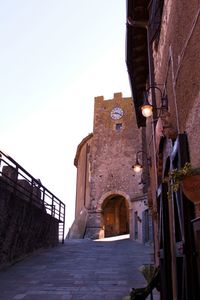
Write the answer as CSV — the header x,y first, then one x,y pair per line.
x,y
25,186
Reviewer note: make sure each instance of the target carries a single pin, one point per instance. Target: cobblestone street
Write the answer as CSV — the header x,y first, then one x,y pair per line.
x,y
79,269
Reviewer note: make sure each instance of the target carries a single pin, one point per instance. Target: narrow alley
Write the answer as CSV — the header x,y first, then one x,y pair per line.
x,y
79,269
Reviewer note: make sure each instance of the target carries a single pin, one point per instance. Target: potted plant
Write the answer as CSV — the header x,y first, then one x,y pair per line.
x,y
189,179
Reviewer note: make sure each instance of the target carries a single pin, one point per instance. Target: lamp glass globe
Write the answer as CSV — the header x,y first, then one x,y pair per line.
x,y
147,110
137,168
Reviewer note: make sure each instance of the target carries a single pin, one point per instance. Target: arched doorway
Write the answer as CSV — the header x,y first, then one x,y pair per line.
x,y
115,216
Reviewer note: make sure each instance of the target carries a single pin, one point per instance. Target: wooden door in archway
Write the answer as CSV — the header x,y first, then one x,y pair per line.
x,y
115,216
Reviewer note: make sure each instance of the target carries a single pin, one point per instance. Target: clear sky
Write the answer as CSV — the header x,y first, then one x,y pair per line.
x,y
55,57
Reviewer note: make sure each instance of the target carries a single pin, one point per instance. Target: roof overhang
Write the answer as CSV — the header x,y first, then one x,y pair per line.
x,y
137,53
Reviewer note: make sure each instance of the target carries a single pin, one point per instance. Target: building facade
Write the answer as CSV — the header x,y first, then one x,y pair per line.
x,y
163,60
107,187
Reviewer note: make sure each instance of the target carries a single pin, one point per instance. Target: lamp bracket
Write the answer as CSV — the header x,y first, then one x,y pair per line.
x,y
148,158
163,97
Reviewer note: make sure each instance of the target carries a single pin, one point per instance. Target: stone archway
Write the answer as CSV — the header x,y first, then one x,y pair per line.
x,y
115,215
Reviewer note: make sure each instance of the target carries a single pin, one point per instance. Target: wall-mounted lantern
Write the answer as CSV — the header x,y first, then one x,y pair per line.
x,y
147,108
137,167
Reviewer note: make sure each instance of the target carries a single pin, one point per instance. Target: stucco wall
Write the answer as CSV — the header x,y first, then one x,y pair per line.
x,y
177,65
139,206
83,174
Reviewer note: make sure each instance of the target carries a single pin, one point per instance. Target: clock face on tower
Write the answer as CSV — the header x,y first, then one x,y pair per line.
x,y
116,113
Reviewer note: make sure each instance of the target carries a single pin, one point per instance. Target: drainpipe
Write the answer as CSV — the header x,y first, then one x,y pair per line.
x,y
144,25
153,123
174,90
171,211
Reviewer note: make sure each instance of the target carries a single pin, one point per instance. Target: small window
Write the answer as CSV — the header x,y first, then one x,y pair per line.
x,y
118,126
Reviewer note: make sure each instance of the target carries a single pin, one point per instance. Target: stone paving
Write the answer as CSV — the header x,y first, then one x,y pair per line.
x,y
79,269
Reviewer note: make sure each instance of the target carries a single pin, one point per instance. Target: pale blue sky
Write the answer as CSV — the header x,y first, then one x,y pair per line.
x,y
55,57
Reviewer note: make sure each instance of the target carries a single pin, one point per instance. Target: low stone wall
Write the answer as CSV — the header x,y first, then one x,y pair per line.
x,y
77,230
23,227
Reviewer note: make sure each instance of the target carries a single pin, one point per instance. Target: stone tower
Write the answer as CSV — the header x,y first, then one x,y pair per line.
x,y
107,188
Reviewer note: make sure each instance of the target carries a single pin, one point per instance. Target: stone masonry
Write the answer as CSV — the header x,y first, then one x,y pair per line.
x,y
104,162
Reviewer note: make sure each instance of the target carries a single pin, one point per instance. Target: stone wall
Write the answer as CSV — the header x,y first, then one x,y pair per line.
x,y
104,161
23,227
113,150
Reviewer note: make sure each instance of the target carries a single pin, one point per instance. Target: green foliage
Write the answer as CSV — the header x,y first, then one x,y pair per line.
x,y
148,271
176,176
126,298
